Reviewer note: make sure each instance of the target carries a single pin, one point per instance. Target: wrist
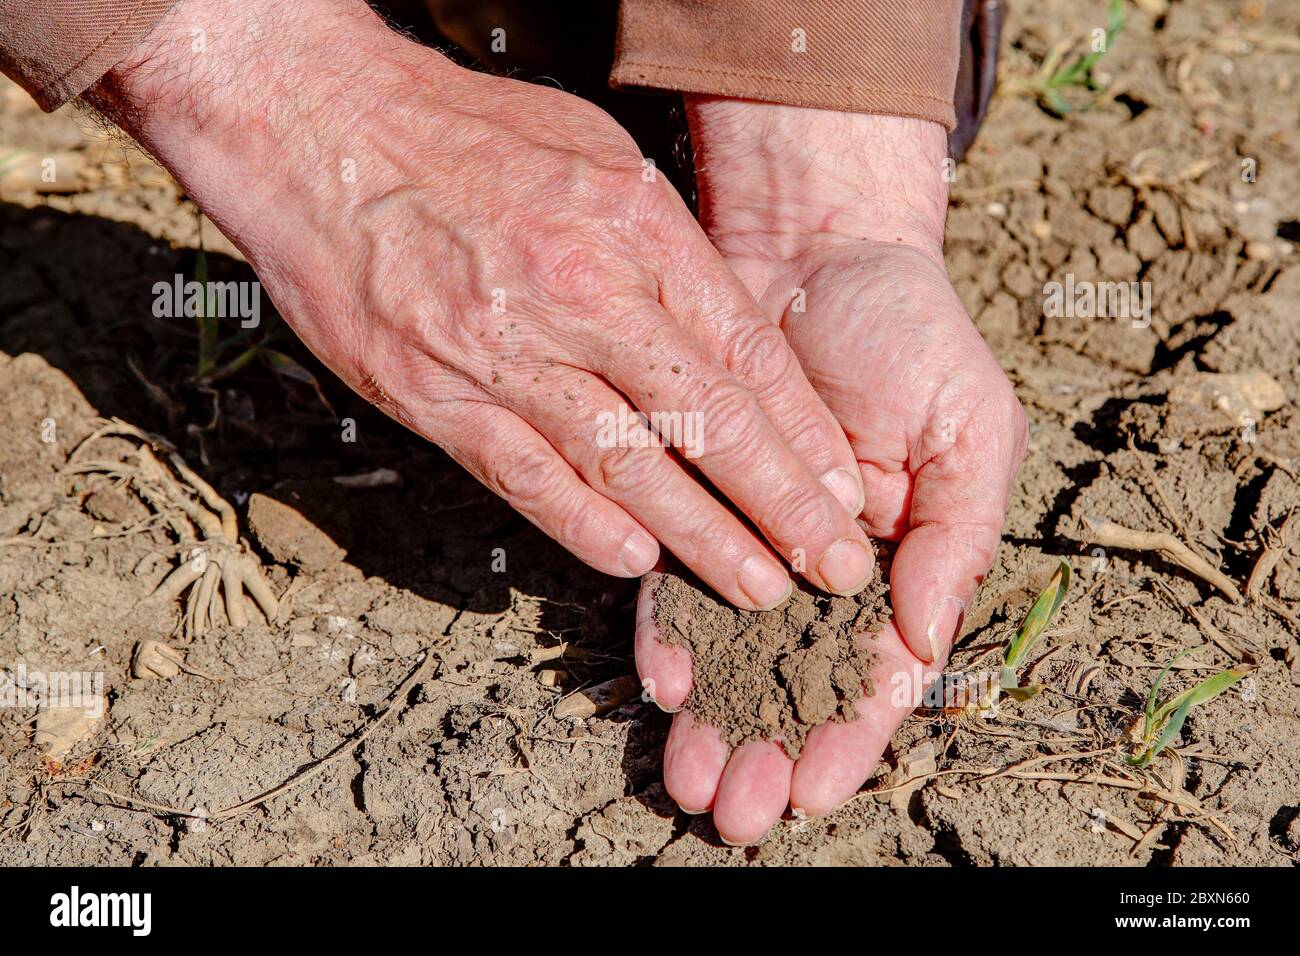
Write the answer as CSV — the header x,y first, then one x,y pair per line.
x,y
257,108
207,65
778,181
245,102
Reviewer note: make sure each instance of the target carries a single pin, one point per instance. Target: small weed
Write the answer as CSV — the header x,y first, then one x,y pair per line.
x,y
1056,76
1040,615
214,361
1162,724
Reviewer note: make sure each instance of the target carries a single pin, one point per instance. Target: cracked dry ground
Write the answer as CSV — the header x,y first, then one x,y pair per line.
x,y
473,767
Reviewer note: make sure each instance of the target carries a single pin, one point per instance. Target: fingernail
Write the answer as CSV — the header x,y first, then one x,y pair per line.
x,y
764,582
846,566
943,624
638,554
692,813
846,488
745,843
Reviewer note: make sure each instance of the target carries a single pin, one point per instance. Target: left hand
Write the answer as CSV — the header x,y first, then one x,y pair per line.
x,y
835,223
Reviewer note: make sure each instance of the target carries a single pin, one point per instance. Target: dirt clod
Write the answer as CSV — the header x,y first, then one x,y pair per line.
x,y
289,537
769,675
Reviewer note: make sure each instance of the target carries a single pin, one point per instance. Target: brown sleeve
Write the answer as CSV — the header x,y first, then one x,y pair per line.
x,y
55,49
896,57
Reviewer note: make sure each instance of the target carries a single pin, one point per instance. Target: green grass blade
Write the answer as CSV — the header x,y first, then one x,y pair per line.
x,y
234,365
1039,617
1083,68
1022,694
1150,710
1206,690
1079,73
1057,103
292,369
1172,729
206,321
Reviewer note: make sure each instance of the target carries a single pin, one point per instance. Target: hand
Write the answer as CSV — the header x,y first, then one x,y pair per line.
x,y
492,264
849,209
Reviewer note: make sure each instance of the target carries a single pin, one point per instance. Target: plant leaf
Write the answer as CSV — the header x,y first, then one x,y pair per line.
x,y
1150,710
1039,617
1023,694
234,365
1172,729
1206,690
291,368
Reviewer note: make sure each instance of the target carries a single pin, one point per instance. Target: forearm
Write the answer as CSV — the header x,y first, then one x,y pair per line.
x,y
266,113
217,91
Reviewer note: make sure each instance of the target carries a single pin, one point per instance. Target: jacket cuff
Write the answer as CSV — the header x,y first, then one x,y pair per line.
x,y
56,49
861,56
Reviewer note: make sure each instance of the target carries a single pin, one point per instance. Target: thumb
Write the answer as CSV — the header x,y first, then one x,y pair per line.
x,y
967,459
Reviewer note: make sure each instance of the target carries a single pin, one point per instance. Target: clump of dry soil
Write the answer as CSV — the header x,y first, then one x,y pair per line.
x,y
773,675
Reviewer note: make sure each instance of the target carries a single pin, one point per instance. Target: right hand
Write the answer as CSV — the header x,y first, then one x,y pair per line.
x,y
500,271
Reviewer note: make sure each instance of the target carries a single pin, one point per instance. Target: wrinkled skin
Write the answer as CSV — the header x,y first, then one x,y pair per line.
x,y
935,428
488,263
492,264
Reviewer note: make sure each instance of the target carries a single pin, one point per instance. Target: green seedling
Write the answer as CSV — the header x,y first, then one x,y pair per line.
x,y
1031,628
214,365
1160,725
209,344
1056,75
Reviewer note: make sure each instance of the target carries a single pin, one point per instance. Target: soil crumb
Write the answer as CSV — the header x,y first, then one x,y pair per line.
x,y
763,675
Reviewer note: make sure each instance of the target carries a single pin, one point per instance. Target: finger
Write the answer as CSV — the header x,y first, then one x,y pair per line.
x,y
517,463
622,460
967,460
694,757
742,454
718,309
702,292
889,501
758,355
664,669
753,792
837,758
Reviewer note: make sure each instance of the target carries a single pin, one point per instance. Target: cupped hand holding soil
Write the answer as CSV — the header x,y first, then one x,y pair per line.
x,y
489,263
935,427
771,675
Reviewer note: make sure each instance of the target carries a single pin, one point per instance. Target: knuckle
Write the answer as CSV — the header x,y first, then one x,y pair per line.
x,y
711,530
639,205
810,433
621,469
734,422
797,518
576,525
759,356
974,543
650,209
528,478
